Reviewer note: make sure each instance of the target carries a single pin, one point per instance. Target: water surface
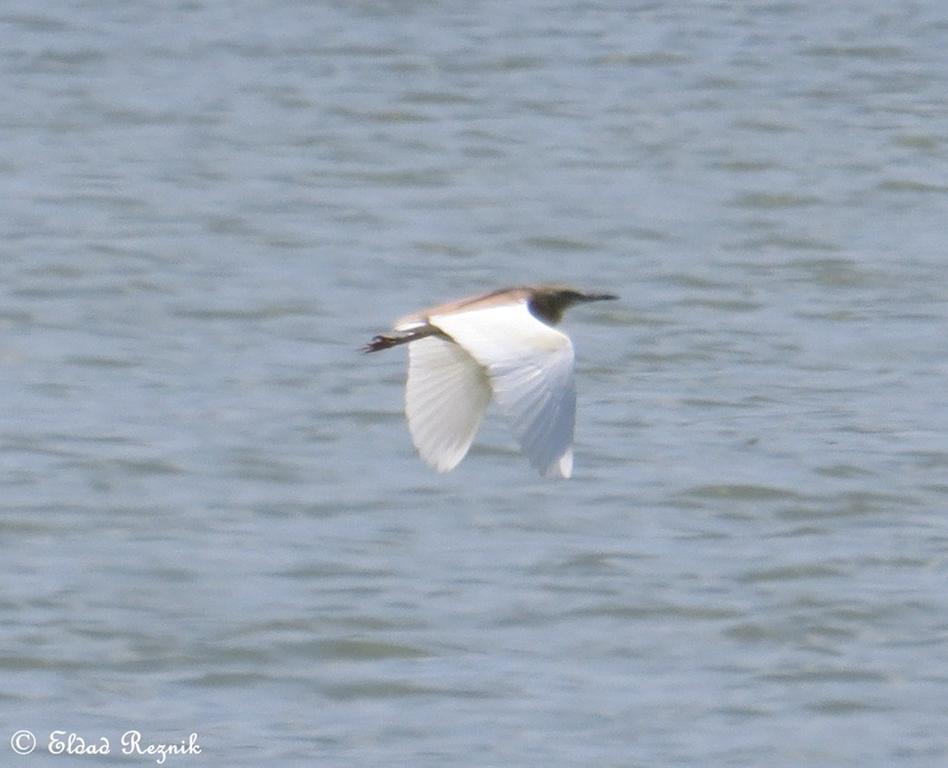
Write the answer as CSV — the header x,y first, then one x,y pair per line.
x,y
211,515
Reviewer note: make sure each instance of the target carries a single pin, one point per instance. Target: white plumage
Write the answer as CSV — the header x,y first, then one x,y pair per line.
x,y
529,367
497,345
445,399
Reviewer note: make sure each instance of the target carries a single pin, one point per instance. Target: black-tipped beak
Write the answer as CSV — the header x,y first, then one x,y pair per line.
x,y
598,297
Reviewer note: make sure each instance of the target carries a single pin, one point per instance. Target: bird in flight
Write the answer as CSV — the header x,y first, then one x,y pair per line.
x,y
501,344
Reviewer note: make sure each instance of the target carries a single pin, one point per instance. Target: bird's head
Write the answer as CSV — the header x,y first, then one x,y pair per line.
x,y
550,301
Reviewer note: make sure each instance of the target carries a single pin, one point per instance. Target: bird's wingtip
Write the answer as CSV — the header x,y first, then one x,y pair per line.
x,y
561,467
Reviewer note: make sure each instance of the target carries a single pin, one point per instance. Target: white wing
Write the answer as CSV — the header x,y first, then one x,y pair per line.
x,y
445,399
530,366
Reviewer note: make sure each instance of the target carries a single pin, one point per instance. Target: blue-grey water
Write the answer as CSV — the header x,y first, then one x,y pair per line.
x,y
211,516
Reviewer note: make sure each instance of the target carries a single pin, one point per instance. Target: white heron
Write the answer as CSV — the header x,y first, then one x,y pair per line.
x,y
501,343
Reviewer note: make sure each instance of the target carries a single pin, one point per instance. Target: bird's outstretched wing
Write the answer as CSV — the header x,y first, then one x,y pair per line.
x,y
445,399
530,365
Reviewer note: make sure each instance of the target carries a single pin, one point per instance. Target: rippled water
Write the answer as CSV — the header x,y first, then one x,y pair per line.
x,y
211,516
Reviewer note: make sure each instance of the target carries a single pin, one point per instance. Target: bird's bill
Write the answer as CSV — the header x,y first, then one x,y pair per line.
x,y
598,297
